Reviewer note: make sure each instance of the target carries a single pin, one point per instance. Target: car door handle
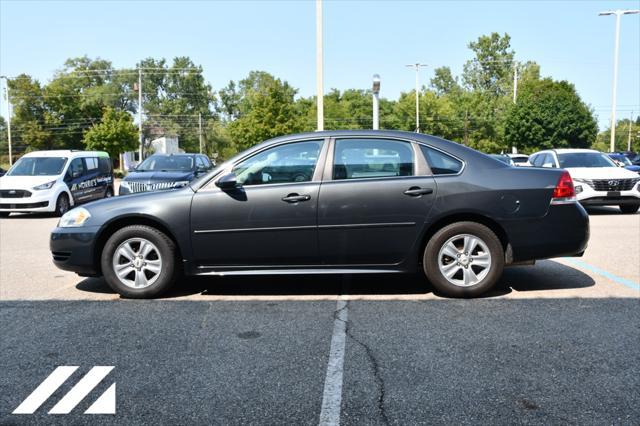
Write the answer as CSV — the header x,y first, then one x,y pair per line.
x,y
294,198
416,191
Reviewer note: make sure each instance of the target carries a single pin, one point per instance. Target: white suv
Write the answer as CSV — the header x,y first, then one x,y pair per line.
x,y
53,181
598,180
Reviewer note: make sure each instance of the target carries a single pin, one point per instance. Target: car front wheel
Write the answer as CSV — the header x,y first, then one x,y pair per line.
x,y
464,259
139,262
62,204
629,208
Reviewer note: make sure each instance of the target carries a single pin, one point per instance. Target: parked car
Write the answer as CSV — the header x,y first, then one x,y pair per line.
x,y
503,158
54,181
374,202
623,161
164,171
521,160
600,182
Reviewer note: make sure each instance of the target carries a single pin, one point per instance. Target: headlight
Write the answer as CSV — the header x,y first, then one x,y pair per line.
x,y
47,185
181,184
74,218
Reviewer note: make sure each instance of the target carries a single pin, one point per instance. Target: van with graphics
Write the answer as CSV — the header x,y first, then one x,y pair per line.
x,y
54,181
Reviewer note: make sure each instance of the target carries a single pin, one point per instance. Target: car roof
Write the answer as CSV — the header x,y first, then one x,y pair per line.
x,y
69,153
177,154
453,148
574,150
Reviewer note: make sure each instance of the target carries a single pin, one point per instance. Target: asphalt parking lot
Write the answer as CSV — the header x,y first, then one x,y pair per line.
x,y
554,343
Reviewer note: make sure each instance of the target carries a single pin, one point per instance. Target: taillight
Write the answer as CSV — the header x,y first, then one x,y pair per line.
x,y
564,191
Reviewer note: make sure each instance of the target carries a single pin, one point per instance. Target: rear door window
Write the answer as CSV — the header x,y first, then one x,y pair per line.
x,y
372,158
441,163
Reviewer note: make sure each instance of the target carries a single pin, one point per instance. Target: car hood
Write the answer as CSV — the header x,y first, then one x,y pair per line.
x,y
601,173
151,177
24,182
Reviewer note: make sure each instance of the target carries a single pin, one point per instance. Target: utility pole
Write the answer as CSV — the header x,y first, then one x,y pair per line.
x,y
200,130
514,150
376,101
618,13
319,66
629,136
466,127
515,81
417,67
140,114
8,98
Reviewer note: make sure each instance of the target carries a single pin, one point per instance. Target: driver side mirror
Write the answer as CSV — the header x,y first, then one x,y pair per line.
x,y
228,181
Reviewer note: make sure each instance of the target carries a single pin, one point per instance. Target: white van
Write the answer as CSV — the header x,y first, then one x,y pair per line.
x,y
54,181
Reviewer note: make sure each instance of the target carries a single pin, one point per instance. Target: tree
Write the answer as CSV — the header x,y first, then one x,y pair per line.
x,y
603,140
174,97
265,109
115,134
443,82
549,114
492,68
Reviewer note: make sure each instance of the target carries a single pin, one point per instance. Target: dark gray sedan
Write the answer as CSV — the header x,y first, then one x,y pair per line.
x,y
332,202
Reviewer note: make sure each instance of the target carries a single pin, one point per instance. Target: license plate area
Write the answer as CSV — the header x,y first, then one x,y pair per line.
x,y
613,194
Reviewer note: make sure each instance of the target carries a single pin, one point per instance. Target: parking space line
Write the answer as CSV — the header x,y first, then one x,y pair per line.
x,y
619,280
332,394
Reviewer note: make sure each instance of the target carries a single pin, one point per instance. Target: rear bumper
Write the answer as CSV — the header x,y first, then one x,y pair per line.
x,y
73,250
563,231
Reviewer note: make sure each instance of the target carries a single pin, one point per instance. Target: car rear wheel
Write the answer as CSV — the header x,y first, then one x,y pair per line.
x,y
629,208
464,259
108,193
139,262
62,204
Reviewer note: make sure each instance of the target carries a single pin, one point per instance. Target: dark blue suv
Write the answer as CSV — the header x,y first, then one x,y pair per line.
x,y
164,171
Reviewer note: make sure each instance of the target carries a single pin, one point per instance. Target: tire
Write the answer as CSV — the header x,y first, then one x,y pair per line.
x,y
629,208
461,283
62,204
152,275
108,193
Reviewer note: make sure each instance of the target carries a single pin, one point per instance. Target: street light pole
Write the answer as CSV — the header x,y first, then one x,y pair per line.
x,y
6,91
140,114
417,67
618,13
376,103
319,66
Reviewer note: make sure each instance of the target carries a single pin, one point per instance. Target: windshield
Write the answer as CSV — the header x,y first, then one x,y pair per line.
x,y
622,159
585,159
166,163
38,166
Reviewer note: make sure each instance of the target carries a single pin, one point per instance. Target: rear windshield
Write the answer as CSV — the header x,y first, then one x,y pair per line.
x,y
166,163
519,160
38,166
585,159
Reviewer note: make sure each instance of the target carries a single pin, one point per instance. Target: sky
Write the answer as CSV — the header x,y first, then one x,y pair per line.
x,y
361,38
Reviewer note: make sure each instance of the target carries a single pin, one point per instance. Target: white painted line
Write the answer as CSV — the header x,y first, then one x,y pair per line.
x,y
81,389
45,390
332,395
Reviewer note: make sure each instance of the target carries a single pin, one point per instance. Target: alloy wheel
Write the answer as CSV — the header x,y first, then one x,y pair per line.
x,y
137,263
464,260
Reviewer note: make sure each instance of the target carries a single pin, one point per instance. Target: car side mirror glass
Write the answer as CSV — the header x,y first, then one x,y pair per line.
x,y
228,181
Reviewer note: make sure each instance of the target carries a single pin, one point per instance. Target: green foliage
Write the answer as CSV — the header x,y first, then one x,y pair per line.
x,y
626,130
114,134
265,109
491,69
549,114
444,83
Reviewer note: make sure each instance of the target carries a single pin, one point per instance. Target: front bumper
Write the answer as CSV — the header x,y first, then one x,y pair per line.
x,y
35,203
587,196
563,231
73,250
